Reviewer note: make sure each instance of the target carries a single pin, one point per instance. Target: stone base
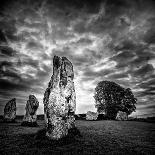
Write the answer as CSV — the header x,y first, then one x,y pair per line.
x,y
58,127
58,130
73,134
29,124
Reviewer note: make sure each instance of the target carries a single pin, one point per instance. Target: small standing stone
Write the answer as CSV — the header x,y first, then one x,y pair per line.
x,y
121,116
91,115
10,111
60,100
30,118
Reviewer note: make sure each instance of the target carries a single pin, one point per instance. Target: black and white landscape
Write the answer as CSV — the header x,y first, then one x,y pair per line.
x,y
90,63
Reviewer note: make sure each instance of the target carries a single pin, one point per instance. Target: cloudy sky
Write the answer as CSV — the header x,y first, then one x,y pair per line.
x,y
104,39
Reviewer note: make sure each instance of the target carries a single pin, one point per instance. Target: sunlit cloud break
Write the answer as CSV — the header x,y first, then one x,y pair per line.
x,y
105,40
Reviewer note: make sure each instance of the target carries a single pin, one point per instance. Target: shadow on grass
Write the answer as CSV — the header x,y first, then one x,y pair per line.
x,y
29,124
39,139
7,121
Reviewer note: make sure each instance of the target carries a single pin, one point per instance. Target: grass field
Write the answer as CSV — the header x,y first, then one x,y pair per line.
x,y
98,137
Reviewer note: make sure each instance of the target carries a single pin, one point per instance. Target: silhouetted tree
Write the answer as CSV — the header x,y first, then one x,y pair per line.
x,y
111,98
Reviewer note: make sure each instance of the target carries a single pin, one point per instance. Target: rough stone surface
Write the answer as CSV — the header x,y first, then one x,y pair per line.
x,y
30,118
60,100
91,115
10,111
121,116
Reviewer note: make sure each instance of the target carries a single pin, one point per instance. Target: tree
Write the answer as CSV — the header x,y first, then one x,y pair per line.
x,y
111,98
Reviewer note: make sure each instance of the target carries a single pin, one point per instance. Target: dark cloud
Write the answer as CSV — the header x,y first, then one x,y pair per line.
x,y
118,76
83,41
11,36
8,51
123,57
105,40
5,64
150,33
9,85
9,74
126,45
2,37
150,107
90,73
148,83
144,70
34,45
150,36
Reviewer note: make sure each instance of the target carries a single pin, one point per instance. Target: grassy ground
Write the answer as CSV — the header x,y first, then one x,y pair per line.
x,y
98,137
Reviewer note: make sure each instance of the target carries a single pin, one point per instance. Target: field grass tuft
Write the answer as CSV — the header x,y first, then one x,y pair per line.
x,y
29,124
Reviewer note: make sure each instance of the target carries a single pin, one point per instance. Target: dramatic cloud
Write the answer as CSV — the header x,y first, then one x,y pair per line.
x,y
105,40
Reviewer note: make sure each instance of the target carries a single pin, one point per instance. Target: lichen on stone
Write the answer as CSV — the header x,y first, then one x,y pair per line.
x,y
60,99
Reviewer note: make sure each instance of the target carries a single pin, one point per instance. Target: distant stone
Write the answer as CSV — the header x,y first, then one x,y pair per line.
x,y
121,116
91,115
10,111
30,118
60,100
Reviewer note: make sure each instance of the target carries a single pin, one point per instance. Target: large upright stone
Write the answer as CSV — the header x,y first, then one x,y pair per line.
x,y
60,100
10,111
30,118
121,116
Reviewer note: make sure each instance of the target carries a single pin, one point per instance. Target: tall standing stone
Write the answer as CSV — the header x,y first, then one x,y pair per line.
x,y
30,118
60,100
10,111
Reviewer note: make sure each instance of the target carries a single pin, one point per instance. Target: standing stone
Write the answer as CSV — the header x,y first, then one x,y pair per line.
x,y
30,118
60,100
121,116
91,115
10,111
